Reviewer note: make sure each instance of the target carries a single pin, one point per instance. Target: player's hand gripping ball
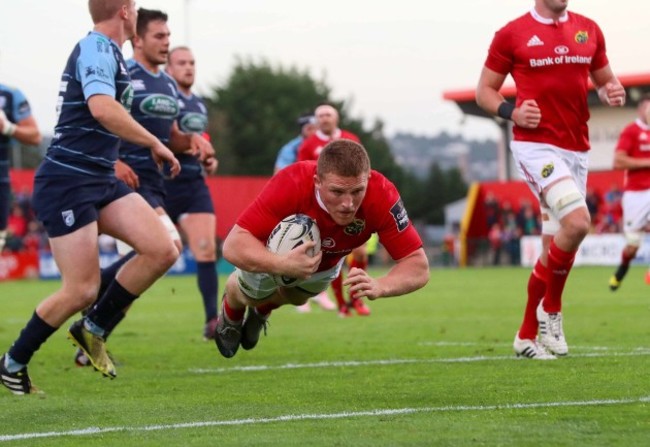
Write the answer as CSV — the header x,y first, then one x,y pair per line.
x,y
290,233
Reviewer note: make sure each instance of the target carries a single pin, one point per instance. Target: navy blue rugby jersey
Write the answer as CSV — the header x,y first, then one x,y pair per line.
x,y
155,107
16,108
81,145
193,118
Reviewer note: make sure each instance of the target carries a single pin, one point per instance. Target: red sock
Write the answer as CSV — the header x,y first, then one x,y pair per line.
x,y
626,259
559,266
234,315
536,290
266,309
337,287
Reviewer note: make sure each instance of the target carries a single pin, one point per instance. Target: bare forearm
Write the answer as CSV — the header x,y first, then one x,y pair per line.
x,y
622,161
488,99
27,132
488,96
244,251
408,275
179,141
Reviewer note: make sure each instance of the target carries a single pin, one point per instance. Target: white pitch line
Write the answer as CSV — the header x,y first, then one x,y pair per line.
x,y
443,344
389,362
305,417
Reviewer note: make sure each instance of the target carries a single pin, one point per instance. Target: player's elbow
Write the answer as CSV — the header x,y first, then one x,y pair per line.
x,y
422,275
481,100
418,270
228,251
234,248
101,107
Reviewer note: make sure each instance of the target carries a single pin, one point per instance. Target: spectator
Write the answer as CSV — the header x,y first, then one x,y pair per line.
x,y
495,236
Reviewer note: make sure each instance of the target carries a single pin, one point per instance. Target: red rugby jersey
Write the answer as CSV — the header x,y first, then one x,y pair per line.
x,y
550,62
635,142
292,191
311,146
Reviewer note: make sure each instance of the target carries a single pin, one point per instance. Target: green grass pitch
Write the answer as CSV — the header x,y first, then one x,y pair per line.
x,y
434,368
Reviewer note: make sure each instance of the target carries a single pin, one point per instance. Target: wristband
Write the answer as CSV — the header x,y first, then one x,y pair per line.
x,y
9,128
505,110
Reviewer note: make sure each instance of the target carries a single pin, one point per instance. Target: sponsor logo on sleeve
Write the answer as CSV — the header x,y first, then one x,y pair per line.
x,y
23,108
400,215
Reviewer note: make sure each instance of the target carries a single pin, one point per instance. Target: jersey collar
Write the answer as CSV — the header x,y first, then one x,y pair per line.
x,y
146,70
642,125
335,135
546,21
319,200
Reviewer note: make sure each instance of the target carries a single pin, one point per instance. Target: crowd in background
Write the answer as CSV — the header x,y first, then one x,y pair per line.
x,y
24,232
506,225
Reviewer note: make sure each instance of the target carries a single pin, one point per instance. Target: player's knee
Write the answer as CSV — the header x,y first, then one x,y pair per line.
x,y
205,250
577,224
165,256
84,294
568,205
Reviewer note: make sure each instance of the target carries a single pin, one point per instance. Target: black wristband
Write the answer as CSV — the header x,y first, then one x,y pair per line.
x,y
505,110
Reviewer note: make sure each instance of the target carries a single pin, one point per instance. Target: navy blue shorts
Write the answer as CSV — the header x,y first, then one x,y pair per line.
x,y
5,198
187,197
153,196
66,203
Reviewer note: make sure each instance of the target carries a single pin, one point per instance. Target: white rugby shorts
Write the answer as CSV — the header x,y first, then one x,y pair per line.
x,y
636,210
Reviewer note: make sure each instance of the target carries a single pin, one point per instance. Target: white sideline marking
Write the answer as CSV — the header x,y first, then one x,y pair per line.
x,y
388,362
305,417
501,345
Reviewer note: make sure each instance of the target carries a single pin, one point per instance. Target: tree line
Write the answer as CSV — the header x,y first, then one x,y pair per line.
x,y
254,113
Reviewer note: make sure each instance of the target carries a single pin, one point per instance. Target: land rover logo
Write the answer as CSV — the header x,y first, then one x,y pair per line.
x,y
127,98
159,105
194,122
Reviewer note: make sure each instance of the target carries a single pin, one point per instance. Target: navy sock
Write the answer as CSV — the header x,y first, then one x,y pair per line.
x,y
113,323
114,302
30,339
209,287
109,273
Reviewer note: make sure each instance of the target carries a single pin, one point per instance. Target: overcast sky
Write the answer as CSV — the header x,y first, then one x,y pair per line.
x,y
391,59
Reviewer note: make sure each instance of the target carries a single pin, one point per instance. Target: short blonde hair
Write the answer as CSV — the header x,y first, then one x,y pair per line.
x,y
101,10
343,157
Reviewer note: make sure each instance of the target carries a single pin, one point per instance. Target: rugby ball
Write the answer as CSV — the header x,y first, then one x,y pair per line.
x,y
290,233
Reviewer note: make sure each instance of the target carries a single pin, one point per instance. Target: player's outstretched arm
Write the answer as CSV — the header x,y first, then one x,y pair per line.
x,y
407,275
